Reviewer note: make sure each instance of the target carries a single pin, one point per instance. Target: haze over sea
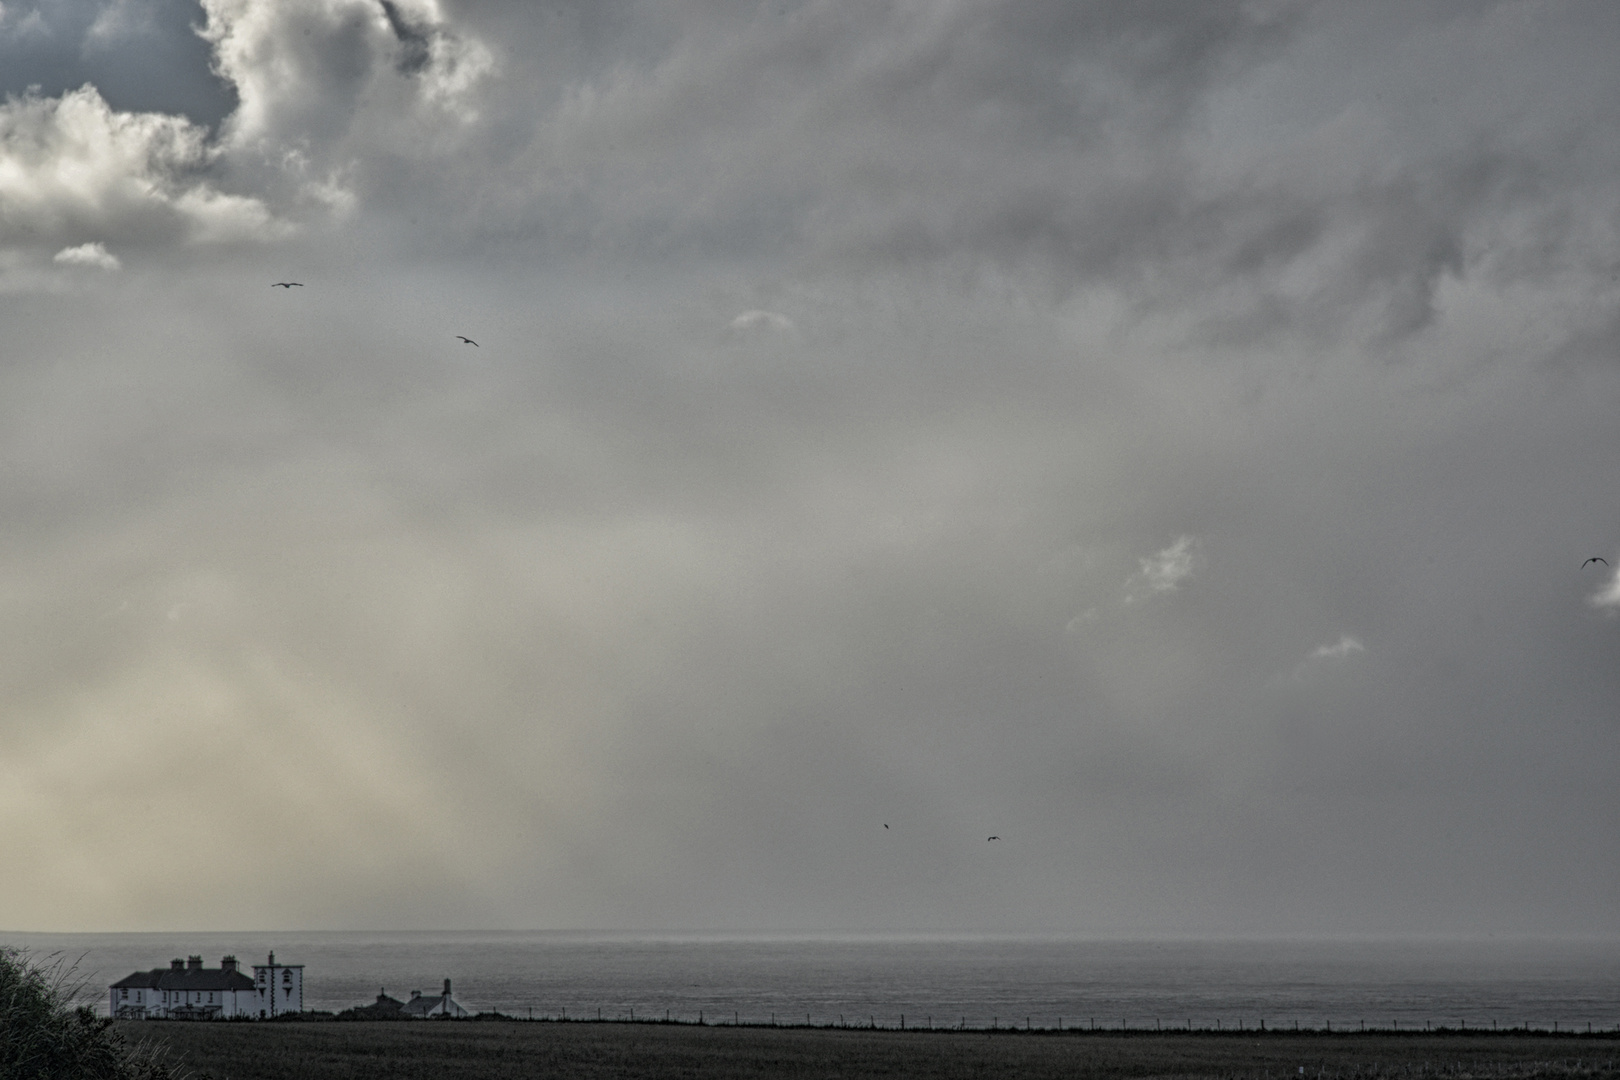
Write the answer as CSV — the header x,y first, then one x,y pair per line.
x,y
942,979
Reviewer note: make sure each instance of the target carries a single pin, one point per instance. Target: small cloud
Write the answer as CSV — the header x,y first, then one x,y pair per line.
x,y
1321,660
1344,647
95,255
32,25
1608,597
757,322
1078,623
117,24
1164,572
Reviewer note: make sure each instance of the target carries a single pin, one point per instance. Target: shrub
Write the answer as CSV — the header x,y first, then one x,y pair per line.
x,y
44,1037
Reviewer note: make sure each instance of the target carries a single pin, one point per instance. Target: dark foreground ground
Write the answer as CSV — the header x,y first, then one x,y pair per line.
x,y
506,1051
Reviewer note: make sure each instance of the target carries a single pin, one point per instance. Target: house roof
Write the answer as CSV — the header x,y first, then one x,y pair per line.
x,y
384,1008
437,1005
187,979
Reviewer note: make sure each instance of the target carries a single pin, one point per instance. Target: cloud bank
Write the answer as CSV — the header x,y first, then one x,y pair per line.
x,y
950,416
71,166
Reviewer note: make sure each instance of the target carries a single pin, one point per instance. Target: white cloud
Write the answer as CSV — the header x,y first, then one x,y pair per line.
x,y
323,87
93,254
1608,597
1321,659
1346,646
327,89
72,165
306,71
1164,572
117,23
761,321
1076,624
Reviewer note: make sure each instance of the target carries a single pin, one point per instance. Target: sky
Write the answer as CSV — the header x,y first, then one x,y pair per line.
x,y
1166,436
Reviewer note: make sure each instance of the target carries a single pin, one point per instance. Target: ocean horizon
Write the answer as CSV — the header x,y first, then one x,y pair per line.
x,y
951,979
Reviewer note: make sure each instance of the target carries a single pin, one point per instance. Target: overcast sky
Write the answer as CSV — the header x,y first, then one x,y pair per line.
x,y
1167,436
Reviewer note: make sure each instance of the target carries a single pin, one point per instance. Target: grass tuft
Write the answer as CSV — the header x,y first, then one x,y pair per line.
x,y
43,1036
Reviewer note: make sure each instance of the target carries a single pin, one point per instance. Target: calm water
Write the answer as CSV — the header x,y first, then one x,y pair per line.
x,y
943,980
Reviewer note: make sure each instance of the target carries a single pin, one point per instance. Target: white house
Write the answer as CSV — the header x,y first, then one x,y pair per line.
x,y
186,990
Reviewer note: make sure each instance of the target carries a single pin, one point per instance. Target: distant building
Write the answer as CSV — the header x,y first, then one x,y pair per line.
x,y
384,1008
442,1007
186,990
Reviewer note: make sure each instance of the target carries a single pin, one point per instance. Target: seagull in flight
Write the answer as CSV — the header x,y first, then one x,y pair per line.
x,y
287,284
468,340
1592,560
992,838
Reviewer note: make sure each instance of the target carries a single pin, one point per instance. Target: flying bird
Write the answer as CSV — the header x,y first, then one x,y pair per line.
x,y
1594,559
468,340
992,838
885,824
287,284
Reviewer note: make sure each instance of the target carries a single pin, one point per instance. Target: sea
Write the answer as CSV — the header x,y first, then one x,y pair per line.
x,y
913,980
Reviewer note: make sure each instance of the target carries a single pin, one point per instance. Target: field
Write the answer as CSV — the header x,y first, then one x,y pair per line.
x,y
618,1051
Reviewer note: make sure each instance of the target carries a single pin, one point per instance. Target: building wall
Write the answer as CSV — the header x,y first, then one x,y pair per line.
x,y
287,993
137,997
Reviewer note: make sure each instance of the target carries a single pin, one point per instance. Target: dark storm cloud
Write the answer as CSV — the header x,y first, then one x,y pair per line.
x,y
864,130
415,43
901,138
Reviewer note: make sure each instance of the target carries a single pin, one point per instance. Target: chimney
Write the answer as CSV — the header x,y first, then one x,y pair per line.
x,y
194,963
272,958
415,994
447,988
177,964
228,964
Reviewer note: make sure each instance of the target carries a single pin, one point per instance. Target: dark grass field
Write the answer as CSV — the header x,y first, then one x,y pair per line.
x,y
610,1051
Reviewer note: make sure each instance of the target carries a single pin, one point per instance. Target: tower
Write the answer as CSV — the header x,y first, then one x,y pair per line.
x,y
280,986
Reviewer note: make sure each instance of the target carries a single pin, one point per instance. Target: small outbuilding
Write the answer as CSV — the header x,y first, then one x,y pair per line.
x,y
441,1007
384,1008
